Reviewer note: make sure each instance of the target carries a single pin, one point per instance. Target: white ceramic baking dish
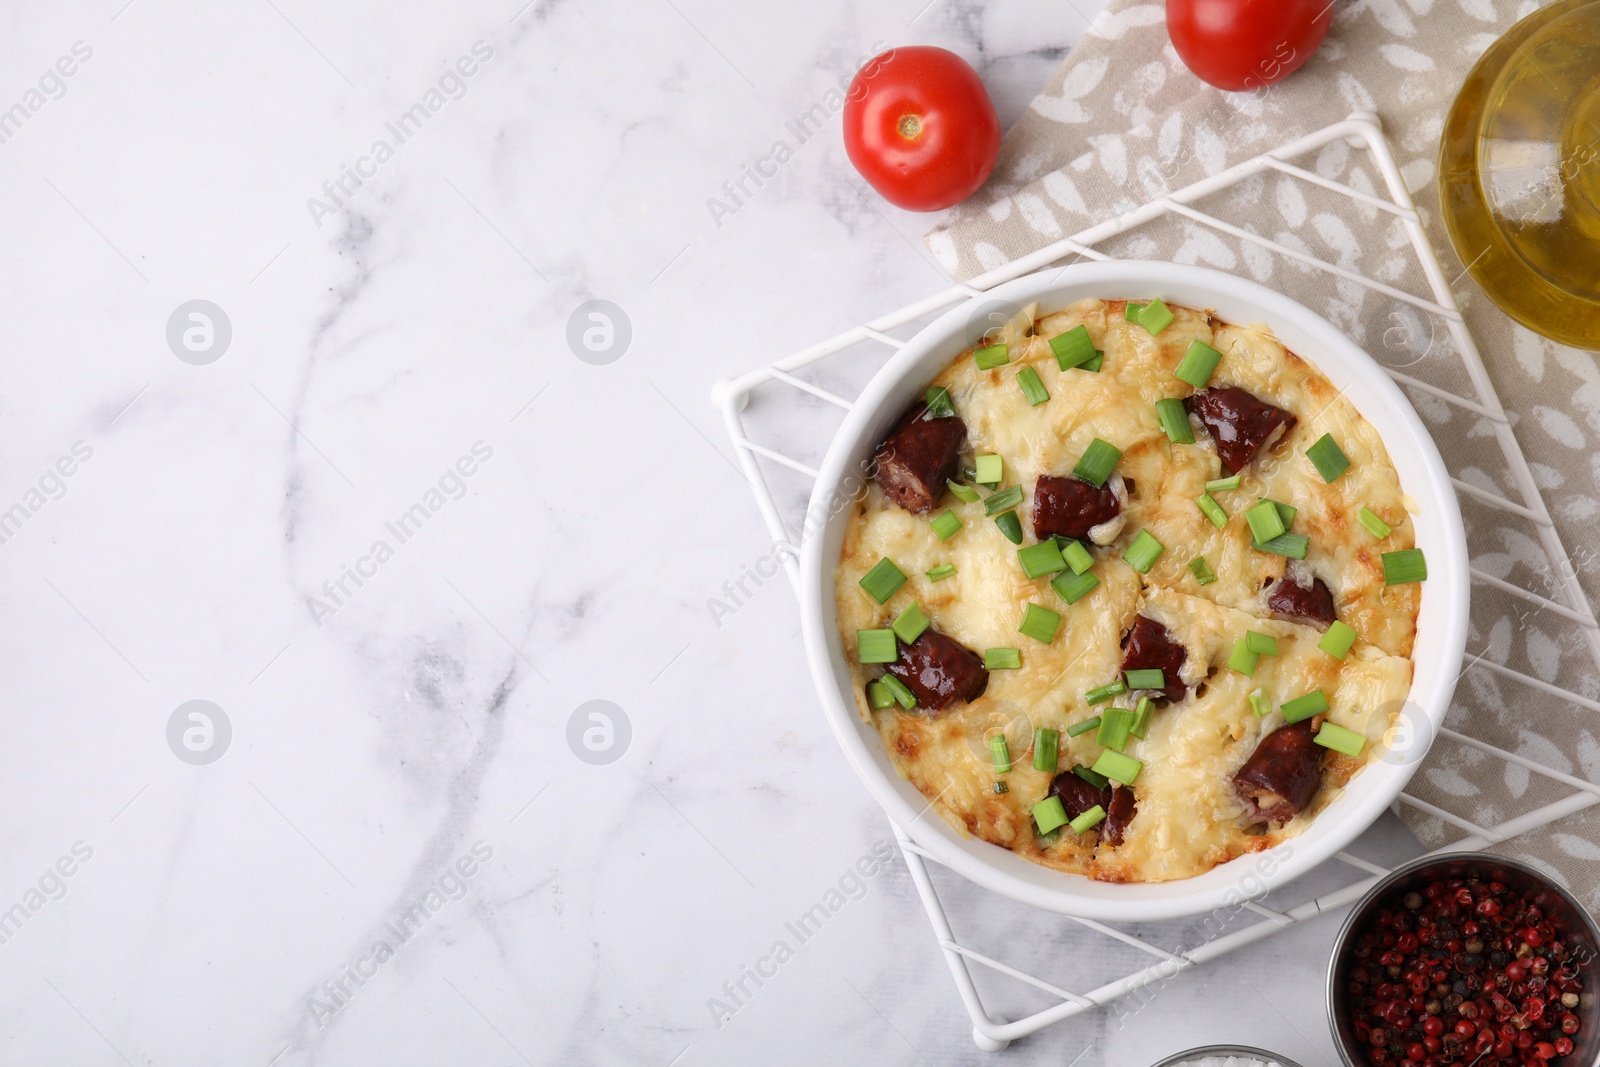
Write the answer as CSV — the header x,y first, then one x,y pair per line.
x,y
1441,636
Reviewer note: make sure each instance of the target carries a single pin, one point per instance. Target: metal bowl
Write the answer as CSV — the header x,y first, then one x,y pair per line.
x,y
1227,1050
1564,913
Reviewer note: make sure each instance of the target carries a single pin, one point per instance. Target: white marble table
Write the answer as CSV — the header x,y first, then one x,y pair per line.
x,y
371,508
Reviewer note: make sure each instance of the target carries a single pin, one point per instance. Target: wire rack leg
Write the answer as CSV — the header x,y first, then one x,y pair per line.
x,y
983,1025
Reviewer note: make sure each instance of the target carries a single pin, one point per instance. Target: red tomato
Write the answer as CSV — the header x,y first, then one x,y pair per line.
x,y
1246,44
919,127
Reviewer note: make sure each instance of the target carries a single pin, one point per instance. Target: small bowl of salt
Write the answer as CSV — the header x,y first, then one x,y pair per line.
x,y
1226,1056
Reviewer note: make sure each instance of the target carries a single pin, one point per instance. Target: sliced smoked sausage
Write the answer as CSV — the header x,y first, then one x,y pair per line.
x,y
1078,796
1151,645
939,669
1292,597
1071,507
1282,775
918,457
1239,423
1121,812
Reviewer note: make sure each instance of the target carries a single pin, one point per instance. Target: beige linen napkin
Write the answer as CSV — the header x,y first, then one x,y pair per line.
x,y
1122,121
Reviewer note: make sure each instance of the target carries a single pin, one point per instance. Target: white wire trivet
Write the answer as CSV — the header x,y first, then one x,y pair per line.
x,y
1361,131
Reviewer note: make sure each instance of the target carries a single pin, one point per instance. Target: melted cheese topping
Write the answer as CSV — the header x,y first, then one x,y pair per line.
x,y
1188,817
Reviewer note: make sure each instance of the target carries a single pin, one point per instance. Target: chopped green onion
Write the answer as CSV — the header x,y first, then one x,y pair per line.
x,y
1001,787
1105,692
1197,364
1142,714
878,694
1174,421
876,646
945,525
1040,624
1303,707
1336,737
1265,522
1049,814
991,357
1374,525
964,493
1093,365
1077,557
1337,641
1328,458
1406,565
1000,752
1261,644
1143,552
1004,500
990,469
1047,840
1041,560
1118,767
1155,316
1243,660
1074,587
1259,702
1131,312
1083,727
1222,485
1002,659
1146,678
910,623
1115,726
902,695
1032,387
1093,777
882,580
1201,570
1212,510
1046,746
1073,348
941,572
939,403
1292,545
1097,462
1088,820
1010,525
1285,512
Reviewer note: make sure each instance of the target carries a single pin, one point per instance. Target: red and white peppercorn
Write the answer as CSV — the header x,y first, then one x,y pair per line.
x,y
1464,971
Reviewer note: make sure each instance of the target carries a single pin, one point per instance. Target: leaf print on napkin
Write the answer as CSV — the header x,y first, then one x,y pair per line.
x,y
1079,82
1058,186
1114,25
1038,215
1405,58
1291,202
1201,245
1451,781
1577,847
1132,97
1545,655
1113,155
1390,15
1560,425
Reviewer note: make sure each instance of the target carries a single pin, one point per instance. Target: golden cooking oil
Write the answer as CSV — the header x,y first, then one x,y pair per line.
x,y
1519,172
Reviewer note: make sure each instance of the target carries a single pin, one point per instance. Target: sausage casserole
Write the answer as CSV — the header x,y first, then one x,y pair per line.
x,y
1133,591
